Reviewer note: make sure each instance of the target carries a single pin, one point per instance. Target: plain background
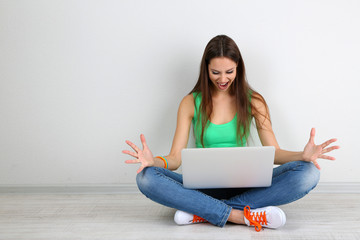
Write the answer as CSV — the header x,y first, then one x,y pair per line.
x,y
78,78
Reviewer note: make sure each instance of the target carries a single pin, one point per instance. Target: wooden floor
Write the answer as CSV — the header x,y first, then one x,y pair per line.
x,y
132,216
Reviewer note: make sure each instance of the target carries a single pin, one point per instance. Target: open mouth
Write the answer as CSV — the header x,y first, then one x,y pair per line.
x,y
223,86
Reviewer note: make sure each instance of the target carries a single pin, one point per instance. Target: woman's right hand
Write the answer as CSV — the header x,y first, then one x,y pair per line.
x,y
144,157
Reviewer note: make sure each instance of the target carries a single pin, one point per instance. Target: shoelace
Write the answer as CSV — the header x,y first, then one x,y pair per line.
x,y
256,218
197,219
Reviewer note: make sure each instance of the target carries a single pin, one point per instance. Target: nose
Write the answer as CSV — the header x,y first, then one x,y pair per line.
x,y
223,78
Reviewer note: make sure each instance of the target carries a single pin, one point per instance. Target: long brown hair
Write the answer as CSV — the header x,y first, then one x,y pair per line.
x,y
224,46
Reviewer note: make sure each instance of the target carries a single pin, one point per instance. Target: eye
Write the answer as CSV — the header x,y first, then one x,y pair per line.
x,y
229,72
214,72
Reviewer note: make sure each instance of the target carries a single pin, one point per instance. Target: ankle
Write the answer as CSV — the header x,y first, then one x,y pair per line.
x,y
236,216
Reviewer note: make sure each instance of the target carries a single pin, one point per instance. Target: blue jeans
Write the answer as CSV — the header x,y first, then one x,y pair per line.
x,y
290,182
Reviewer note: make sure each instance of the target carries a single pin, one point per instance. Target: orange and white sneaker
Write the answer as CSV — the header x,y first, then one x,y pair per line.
x,y
270,217
184,218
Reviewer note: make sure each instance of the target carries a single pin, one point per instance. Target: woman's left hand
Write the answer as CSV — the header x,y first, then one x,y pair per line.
x,y
312,151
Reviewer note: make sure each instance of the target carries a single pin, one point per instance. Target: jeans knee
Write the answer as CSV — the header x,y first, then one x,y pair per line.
x,y
310,176
144,179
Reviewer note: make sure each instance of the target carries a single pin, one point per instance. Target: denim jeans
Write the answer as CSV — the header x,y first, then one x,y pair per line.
x,y
290,182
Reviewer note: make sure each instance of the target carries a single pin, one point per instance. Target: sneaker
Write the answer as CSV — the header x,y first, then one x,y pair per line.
x,y
270,217
183,218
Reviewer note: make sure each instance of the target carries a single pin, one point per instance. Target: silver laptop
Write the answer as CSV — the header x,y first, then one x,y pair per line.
x,y
235,167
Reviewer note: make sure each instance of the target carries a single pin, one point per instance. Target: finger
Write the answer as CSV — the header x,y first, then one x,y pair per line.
x,y
132,161
326,157
130,153
140,169
330,149
328,142
133,146
312,135
143,141
317,165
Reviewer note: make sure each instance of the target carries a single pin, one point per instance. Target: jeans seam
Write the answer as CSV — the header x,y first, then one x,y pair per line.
x,y
298,197
228,208
226,216
301,195
298,164
214,199
292,169
163,175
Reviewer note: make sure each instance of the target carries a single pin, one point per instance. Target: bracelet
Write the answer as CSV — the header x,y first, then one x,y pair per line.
x,y
165,161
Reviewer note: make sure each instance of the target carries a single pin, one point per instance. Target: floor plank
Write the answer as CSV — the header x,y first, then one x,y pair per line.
x,y
133,216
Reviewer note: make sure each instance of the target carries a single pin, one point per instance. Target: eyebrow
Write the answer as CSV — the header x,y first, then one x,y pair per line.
x,y
219,71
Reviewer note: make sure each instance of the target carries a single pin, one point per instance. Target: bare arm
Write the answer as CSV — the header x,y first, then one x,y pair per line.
x,y
181,137
267,137
146,158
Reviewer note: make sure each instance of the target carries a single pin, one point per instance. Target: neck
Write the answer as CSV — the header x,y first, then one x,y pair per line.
x,y
220,94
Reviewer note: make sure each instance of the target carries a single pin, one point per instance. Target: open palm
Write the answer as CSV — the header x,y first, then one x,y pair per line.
x,y
312,151
144,157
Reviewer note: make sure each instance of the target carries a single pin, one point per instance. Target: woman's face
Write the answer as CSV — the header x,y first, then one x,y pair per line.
x,y
222,72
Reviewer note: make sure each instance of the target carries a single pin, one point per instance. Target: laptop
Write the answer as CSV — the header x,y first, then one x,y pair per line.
x,y
234,167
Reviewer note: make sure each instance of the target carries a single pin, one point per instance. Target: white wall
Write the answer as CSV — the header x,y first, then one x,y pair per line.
x,y
77,78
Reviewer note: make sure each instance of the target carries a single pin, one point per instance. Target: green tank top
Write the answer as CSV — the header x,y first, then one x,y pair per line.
x,y
216,135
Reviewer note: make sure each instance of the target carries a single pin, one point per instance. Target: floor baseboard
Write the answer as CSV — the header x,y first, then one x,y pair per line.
x,y
70,189
337,187
329,187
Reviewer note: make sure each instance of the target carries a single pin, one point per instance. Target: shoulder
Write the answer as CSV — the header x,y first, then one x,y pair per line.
x,y
187,101
257,99
187,105
258,103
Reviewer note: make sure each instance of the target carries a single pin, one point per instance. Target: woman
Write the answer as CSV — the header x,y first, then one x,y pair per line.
x,y
221,107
